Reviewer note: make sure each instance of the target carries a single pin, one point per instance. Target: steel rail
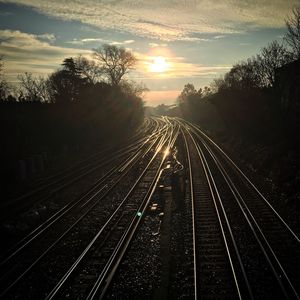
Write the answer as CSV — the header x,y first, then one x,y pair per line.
x,y
113,263
63,235
216,196
193,213
10,207
248,180
61,176
276,267
253,224
65,277
65,209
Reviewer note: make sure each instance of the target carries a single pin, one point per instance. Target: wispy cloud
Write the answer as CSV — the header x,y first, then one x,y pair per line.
x,y
25,52
99,40
155,45
86,41
127,42
219,37
169,20
50,37
194,39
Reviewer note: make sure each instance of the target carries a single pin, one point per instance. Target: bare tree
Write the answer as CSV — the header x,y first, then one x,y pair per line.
x,y
29,86
34,88
292,37
115,62
44,89
4,86
1,65
89,69
271,58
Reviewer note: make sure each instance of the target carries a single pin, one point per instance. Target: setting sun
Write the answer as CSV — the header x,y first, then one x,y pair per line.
x,y
159,65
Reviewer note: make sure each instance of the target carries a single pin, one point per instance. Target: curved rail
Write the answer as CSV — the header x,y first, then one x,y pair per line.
x,y
286,286
124,237
120,171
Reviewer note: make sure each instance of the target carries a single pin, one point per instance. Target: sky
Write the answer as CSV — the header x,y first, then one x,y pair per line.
x,y
176,41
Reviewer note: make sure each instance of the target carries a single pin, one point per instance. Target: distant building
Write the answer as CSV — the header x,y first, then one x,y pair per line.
x,y
287,84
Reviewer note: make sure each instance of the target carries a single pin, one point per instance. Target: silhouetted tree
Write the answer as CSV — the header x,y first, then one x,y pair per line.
x,y
133,88
88,69
4,87
67,84
218,85
245,75
188,91
115,62
206,91
34,88
189,97
271,58
292,37
1,65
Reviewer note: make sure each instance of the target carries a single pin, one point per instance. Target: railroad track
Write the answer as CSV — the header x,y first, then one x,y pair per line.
x,y
10,279
238,246
47,187
103,185
214,273
23,214
105,279
263,249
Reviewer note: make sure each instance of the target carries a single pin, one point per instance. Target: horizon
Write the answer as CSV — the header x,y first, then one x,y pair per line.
x,y
187,42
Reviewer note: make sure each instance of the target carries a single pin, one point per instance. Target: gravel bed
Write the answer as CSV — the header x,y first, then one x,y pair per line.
x,y
181,240
159,266
139,273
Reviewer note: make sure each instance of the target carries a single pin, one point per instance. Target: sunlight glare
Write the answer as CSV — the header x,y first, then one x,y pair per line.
x,y
167,152
159,65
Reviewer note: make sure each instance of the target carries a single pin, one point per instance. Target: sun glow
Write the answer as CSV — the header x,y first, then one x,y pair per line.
x,y
158,65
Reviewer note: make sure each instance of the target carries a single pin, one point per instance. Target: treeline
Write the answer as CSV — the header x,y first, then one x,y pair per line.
x,y
85,102
254,109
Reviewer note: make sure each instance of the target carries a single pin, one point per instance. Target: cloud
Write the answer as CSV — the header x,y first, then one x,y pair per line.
x,y
194,39
47,37
25,52
155,45
174,20
86,41
127,42
219,37
99,40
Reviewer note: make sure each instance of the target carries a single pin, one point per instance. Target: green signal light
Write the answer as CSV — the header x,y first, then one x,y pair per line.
x,y
139,214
